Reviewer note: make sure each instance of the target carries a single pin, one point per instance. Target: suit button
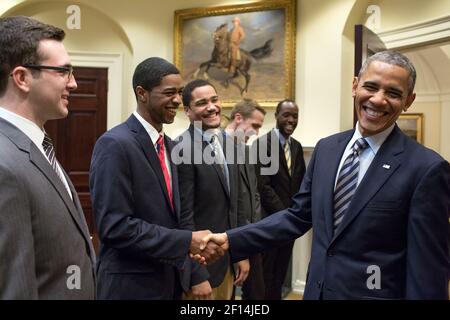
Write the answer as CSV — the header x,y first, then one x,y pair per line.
x,y
330,253
318,283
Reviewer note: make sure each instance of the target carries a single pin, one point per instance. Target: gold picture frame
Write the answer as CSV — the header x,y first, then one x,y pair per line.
x,y
269,44
412,125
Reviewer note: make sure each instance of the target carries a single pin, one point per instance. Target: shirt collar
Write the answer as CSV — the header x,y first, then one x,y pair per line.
x,y
281,137
207,135
152,132
376,141
28,127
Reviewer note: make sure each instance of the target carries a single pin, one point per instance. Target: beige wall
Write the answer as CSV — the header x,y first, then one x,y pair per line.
x,y
324,56
139,29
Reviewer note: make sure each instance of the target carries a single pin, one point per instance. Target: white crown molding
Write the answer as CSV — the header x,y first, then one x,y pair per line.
x,y
445,97
420,33
114,63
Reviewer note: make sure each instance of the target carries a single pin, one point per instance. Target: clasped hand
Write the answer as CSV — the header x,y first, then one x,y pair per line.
x,y
207,247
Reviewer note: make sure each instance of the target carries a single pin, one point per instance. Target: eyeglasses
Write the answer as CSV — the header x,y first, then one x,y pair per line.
x,y
66,70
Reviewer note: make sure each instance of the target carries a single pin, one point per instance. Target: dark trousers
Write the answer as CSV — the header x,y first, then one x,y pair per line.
x,y
253,287
275,266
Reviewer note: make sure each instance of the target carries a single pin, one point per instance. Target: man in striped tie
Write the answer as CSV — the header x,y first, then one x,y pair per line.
x,y
378,202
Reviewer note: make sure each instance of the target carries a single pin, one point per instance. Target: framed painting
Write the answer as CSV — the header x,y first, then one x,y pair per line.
x,y
245,51
412,125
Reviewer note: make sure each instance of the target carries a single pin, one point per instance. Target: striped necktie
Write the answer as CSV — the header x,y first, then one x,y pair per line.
x,y
287,155
347,181
47,144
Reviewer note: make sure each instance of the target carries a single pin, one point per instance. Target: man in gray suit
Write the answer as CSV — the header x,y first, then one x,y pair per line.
x,y
45,248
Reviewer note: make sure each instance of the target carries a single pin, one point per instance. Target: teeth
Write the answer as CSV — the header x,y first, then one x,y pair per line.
x,y
374,113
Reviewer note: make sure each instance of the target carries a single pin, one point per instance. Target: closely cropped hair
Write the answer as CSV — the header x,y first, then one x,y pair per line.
x,y
191,86
19,40
277,110
245,108
149,73
393,58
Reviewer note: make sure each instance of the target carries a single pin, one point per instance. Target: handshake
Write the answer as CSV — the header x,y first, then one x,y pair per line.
x,y
207,247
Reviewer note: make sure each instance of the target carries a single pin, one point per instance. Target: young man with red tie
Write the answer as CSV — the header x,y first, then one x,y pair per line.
x,y
135,199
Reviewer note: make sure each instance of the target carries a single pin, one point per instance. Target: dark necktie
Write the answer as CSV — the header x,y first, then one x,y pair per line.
x,y
162,162
347,181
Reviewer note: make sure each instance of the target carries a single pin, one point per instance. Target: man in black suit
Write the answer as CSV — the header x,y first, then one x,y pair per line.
x,y
135,199
247,117
276,190
378,202
209,181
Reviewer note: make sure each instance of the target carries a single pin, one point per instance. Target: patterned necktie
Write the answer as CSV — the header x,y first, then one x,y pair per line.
x,y
162,162
218,155
347,181
47,144
287,155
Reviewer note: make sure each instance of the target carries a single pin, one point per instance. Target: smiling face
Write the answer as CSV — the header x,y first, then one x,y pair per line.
x,y
251,125
50,89
160,104
287,118
205,107
381,95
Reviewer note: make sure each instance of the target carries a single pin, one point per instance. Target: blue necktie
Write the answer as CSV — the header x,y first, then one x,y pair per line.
x,y
347,181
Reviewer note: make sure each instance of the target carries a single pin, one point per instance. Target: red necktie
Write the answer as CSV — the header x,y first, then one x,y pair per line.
x,y
162,161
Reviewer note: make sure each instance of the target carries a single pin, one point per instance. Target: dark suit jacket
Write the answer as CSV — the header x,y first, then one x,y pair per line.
x,y
142,255
277,190
44,239
397,221
204,195
250,202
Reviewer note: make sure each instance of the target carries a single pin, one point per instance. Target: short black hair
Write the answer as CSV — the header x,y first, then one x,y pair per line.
x,y
149,73
277,110
191,86
19,41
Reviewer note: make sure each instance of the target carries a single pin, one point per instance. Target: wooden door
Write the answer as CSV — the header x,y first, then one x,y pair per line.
x,y
74,137
367,43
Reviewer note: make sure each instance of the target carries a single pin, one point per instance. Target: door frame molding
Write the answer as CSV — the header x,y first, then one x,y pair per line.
x,y
421,33
114,63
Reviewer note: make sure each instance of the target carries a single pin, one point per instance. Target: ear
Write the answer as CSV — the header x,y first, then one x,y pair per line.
x,y
354,86
142,94
22,77
238,118
409,100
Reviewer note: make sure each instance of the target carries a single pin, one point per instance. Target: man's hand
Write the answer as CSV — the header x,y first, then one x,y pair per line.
x,y
241,270
202,291
197,241
212,247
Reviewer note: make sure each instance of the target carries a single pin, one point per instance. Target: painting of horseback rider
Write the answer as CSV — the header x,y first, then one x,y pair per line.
x,y
227,55
243,54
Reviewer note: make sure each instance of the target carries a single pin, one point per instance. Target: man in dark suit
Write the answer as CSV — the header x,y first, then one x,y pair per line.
x,y
247,117
277,189
378,202
209,180
45,249
135,199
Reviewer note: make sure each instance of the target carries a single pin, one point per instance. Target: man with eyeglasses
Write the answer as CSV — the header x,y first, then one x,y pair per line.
x,y
45,248
135,199
210,186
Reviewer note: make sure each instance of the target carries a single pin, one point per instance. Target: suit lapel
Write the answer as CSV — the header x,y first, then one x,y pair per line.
x,y
37,158
148,148
375,177
328,176
173,169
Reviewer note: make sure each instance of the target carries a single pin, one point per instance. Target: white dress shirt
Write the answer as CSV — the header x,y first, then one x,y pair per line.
x,y
368,154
